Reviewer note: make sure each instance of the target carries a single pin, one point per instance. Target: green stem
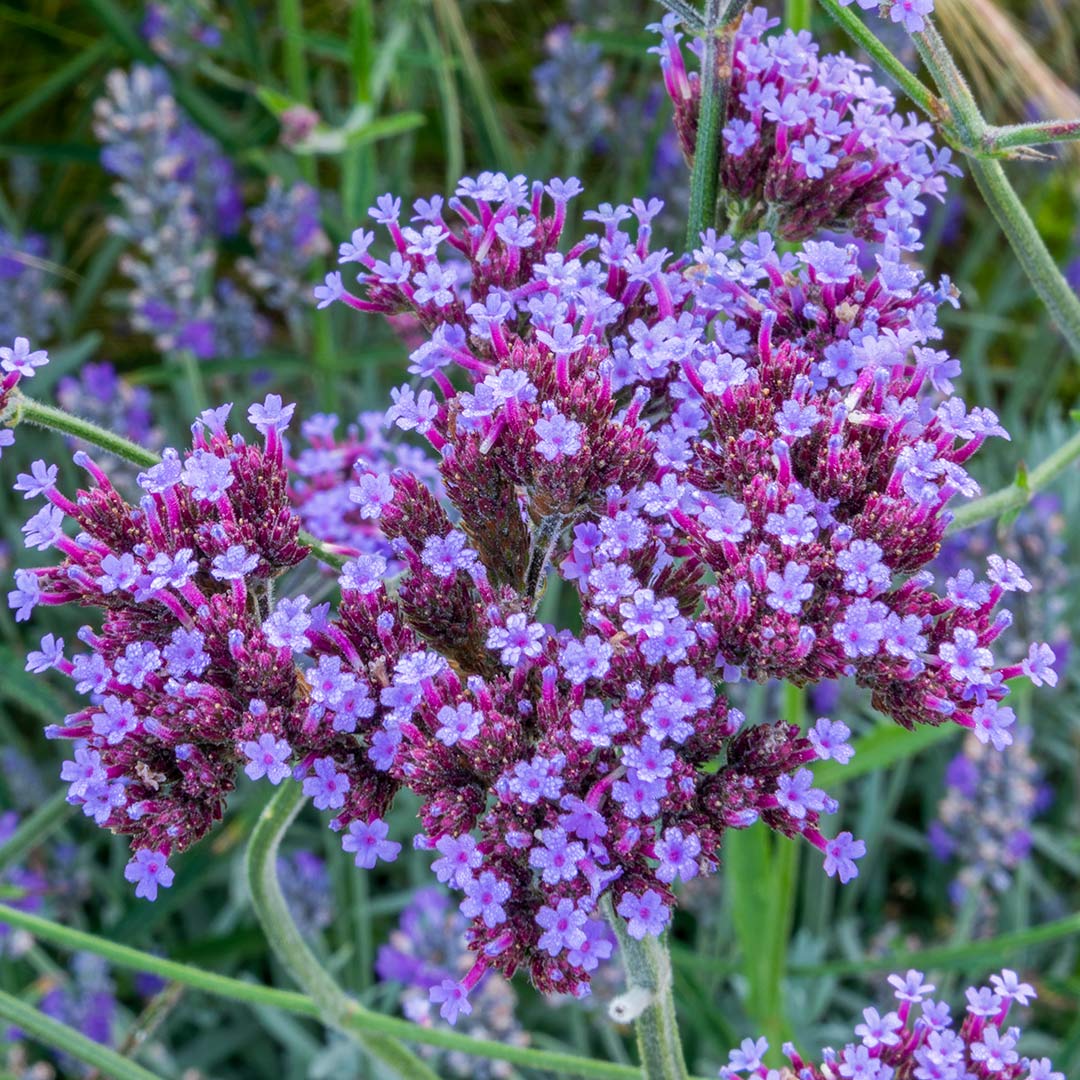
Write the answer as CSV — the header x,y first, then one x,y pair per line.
x,y
1017,495
1039,265
44,821
915,89
715,79
797,14
25,410
52,1033
291,949
1002,140
364,1021
649,1001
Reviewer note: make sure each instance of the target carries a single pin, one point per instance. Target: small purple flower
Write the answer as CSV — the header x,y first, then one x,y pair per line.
x,y
558,436
373,492
332,289
38,481
234,564
678,855
368,841
148,870
20,359
645,914
116,720
484,896
563,927
267,757
518,639
447,554
327,785
992,723
454,999
208,475
593,724
558,858
840,855
830,739
48,656
789,592
584,660
285,628
459,859
270,414
458,722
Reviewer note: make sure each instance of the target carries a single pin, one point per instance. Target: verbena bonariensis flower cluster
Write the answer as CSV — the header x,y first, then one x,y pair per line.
x,y
920,1039
740,459
810,142
984,820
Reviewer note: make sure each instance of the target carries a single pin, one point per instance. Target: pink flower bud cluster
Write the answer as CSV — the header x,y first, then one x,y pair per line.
x,y
810,141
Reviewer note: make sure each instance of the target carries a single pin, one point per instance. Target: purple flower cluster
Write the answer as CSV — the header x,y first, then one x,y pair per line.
x,y
17,362
984,819
323,475
573,85
810,142
29,302
178,193
426,952
287,238
919,1038
180,31
190,674
742,459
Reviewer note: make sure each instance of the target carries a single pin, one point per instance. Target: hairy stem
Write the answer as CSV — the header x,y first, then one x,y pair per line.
x,y
714,85
999,194
28,411
648,1002
224,986
291,949
52,1033
1004,140
1018,494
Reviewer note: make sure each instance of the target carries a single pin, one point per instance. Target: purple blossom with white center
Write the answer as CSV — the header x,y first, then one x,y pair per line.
x,y
484,897
518,639
327,786
645,914
368,842
267,756
148,871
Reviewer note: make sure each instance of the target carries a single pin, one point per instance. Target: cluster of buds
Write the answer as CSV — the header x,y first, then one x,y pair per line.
x,y
810,142
17,362
919,1038
190,674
